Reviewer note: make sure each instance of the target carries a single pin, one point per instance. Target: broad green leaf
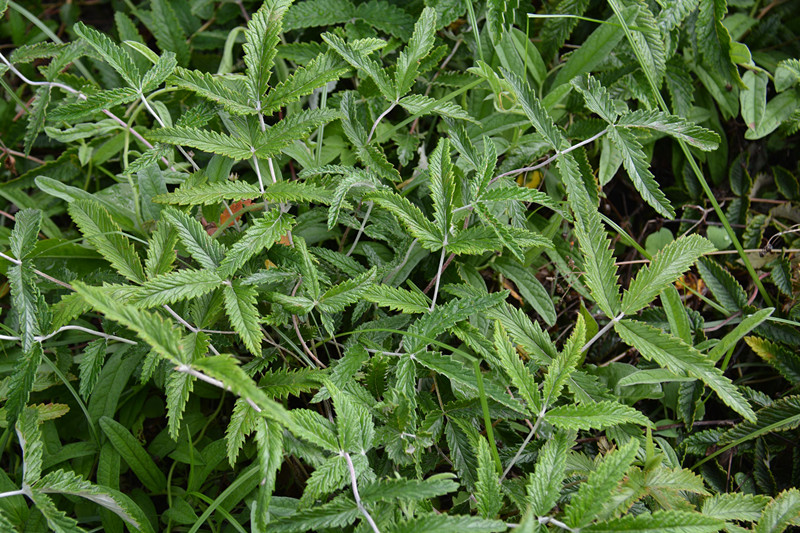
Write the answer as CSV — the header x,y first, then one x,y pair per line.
x,y
444,523
667,265
787,74
216,89
106,236
242,423
676,355
314,428
346,293
735,506
487,488
442,186
263,35
599,415
673,126
134,455
753,99
635,163
178,387
176,286
205,250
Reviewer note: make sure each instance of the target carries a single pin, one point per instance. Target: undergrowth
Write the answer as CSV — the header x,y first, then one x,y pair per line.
x,y
400,266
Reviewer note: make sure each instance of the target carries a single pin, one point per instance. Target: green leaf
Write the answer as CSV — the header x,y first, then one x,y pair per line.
x,y
226,369
544,485
260,235
263,35
398,299
529,287
205,250
159,333
106,236
635,163
208,141
418,104
37,117
159,73
313,13
564,364
30,440
673,126
112,53
25,234
781,415
787,74
56,519
168,31
443,523
161,250
240,306
176,286
596,48
534,110
210,193
346,293
727,290
666,521
293,127
596,97
785,361
592,496
442,186
62,482
338,513
521,377
418,47
304,80
409,489
360,60
90,366
428,234
134,455
676,355
599,415
598,260
667,265
714,41
242,423
215,88
735,506
487,488
780,512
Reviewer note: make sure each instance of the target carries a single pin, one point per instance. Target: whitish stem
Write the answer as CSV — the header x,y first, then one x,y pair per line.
x,y
544,520
161,123
186,369
602,331
524,443
19,492
38,272
551,158
42,338
378,120
394,272
356,495
188,326
361,229
258,173
439,274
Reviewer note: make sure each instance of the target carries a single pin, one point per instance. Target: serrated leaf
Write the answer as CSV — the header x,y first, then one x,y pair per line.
x,y
90,366
346,293
780,512
667,265
56,519
418,47
159,72
599,415
592,496
361,61
735,506
398,299
785,361
443,523
205,250
781,415
666,521
112,53
596,97
37,116
727,290
262,233
487,488
25,234
534,110
208,141
635,163
240,306
292,128
159,333
442,186
30,440
242,423
421,104
674,354
216,89
428,234
161,250
176,286
20,384
167,30
321,70
544,485
529,286
521,377
210,193
106,236
409,489
673,126
263,35
564,364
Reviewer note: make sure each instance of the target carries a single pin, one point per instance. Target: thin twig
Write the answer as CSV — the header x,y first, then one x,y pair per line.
x,y
439,273
377,121
361,229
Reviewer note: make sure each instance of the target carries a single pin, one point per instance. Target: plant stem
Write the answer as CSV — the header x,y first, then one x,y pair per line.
x,y
439,273
487,419
361,229
353,482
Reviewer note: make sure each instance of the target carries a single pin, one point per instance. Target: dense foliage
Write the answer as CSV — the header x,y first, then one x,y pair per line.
x,y
422,266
